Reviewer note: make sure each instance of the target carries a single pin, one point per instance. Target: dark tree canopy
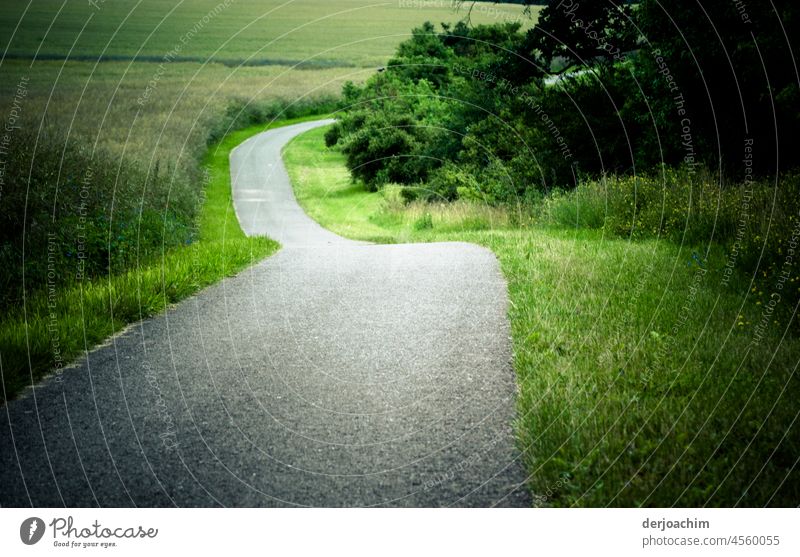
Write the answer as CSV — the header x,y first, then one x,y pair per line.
x,y
734,65
584,32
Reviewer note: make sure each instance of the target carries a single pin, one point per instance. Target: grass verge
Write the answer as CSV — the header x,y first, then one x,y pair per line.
x,y
646,377
60,323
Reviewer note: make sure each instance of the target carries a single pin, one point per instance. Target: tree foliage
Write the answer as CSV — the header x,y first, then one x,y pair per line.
x,y
583,32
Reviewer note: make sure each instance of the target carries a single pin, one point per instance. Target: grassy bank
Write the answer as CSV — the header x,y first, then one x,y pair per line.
x,y
59,323
646,375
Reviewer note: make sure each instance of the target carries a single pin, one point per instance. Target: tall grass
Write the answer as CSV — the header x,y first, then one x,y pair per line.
x,y
756,224
69,212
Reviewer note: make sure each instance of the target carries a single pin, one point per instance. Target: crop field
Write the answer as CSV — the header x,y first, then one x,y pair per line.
x,y
100,102
324,32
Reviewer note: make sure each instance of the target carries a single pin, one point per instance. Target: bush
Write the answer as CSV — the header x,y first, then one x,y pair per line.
x,y
333,135
425,222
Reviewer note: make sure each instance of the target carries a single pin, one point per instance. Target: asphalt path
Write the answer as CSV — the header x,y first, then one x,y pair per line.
x,y
333,373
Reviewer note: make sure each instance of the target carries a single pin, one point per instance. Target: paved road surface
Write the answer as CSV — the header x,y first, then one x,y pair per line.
x,y
333,373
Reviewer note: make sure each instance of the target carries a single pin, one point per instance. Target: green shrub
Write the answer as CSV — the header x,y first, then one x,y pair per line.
x,y
333,135
451,182
425,222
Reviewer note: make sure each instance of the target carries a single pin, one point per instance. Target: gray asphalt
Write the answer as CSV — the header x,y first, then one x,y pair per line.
x,y
331,374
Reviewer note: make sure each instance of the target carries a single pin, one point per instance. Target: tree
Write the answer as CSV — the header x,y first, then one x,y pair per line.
x,y
580,32
599,31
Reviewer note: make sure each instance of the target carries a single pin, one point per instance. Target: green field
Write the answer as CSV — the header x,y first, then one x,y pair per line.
x,y
642,379
343,32
98,102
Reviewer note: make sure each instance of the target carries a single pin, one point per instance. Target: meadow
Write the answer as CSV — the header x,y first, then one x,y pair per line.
x,y
646,376
351,33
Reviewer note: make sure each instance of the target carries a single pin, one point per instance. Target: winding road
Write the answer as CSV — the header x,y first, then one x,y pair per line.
x,y
333,373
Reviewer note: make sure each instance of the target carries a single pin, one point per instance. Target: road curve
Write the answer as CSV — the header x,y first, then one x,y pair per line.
x,y
331,374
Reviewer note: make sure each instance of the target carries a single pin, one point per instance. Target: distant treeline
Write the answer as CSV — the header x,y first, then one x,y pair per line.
x,y
312,64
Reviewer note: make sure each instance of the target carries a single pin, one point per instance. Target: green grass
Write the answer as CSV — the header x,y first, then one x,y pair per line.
x,y
332,32
644,379
56,327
